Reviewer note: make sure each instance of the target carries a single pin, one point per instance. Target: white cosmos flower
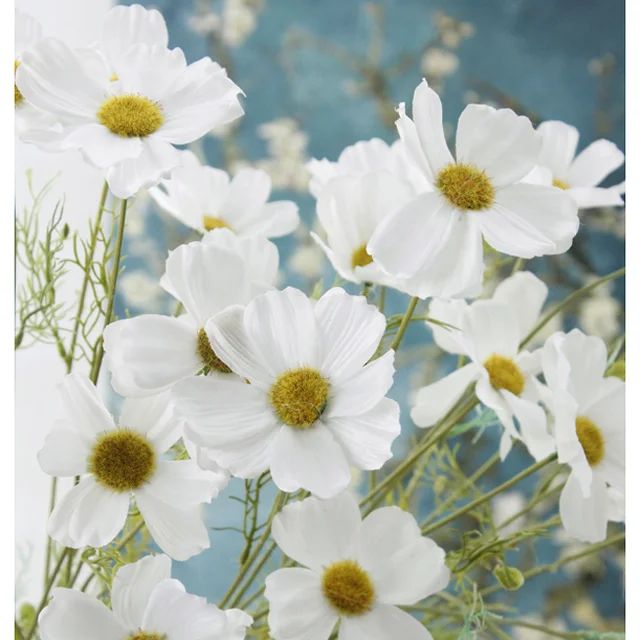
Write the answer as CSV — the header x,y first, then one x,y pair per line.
x,y
580,175
436,239
588,411
116,460
147,354
365,157
489,332
205,198
356,571
128,127
146,603
313,406
350,207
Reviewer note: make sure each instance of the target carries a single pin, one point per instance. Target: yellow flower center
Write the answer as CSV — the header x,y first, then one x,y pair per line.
x,y
143,635
17,96
122,460
130,116
561,184
211,222
504,374
207,354
361,257
465,187
114,78
591,440
299,397
348,588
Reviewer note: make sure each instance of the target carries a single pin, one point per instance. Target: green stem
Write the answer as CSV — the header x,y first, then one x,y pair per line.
x,y
404,324
383,299
554,566
487,496
252,576
519,263
570,300
552,633
277,505
532,503
113,281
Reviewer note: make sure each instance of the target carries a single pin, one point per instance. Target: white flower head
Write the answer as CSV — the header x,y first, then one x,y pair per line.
x,y
146,604
365,157
350,207
579,175
313,406
205,198
147,354
128,127
357,571
436,239
489,332
118,459
589,424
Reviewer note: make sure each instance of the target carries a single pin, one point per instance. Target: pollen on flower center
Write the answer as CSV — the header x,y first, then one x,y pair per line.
x,y
348,588
208,355
504,374
361,257
466,187
211,222
130,116
299,397
591,440
17,96
143,635
122,460
561,184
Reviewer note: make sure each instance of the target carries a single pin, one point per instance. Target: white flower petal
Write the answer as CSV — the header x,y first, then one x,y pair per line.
x,y
316,532
528,220
182,616
559,144
309,459
350,331
133,585
449,312
499,142
74,615
100,147
206,279
248,193
427,115
64,453
89,515
181,484
148,354
525,293
237,623
491,327
298,609
274,220
28,32
409,137
363,390
404,566
180,533
367,438
83,405
590,197
382,623
434,401
584,518
595,163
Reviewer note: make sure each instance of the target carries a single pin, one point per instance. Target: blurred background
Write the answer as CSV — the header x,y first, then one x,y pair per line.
x,y
319,76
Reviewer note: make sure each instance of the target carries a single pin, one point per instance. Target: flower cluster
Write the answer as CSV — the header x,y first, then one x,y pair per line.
x,y
249,381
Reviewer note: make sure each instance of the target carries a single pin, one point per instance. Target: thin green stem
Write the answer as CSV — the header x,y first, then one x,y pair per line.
x,y
252,576
569,301
382,299
552,633
519,263
554,566
113,282
404,324
487,496
244,569
531,504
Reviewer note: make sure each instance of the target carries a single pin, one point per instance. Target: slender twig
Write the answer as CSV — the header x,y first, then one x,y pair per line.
x,y
404,324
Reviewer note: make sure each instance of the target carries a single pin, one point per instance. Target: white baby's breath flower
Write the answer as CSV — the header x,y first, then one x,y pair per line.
x,y
239,20
308,261
489,332
435,241
128,124
600,316
355,571
313,406
588,410
439,63
505,505
205,198
140,290
146,603
116,460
